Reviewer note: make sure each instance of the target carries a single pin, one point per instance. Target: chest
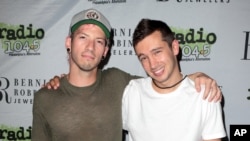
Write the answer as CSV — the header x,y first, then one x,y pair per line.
x,y
166,118
69,114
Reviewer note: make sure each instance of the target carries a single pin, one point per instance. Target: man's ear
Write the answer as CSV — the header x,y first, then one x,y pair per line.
x,y
106,49
68,43
175,47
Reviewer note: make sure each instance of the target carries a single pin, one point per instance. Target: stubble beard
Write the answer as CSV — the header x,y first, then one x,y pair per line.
x,y
86,66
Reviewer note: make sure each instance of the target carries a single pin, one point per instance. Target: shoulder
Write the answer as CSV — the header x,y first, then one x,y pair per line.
x,y
42,92
134,86
45,94
138,84
118,73
188,86
191,84
139,81
41,98
114,70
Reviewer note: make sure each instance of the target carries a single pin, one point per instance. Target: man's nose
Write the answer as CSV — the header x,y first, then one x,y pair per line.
x,y
152,62
90,45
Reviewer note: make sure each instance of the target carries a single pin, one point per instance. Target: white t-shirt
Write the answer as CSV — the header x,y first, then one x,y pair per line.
x,y
181,115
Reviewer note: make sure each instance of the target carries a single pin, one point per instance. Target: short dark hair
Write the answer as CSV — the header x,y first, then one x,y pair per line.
x,y
147,26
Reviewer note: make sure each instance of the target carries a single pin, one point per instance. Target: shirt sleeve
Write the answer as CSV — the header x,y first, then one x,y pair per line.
x,y
125,107
213,126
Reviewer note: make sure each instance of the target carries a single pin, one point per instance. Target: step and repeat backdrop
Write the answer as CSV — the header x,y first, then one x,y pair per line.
x,y
214,37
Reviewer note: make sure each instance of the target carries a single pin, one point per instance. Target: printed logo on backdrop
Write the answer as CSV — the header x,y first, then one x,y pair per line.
x,y
196,1
196,44
107,1
122,44
246,47
19,91
20,40
8,133
246,51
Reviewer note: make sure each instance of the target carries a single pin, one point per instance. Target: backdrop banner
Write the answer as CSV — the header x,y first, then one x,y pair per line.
x,y
213,34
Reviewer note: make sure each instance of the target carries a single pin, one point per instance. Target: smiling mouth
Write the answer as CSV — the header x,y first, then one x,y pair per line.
x,y
158,72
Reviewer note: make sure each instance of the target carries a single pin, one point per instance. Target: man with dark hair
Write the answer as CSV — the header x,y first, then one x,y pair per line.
x,y
166,105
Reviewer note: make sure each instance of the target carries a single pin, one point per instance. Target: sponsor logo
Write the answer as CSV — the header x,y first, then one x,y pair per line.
x,y
20,40
122,44
19,91
196,44
246,51
8,133
93,15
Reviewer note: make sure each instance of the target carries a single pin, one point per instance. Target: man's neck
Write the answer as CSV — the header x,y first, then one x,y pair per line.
x,y
170,85
82,78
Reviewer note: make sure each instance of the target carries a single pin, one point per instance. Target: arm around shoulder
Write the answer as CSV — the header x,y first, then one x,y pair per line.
x,y
212,90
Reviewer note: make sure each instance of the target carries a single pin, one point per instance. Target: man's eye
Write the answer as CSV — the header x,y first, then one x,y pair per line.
x,y
142,58
157,52
101,42
82,37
